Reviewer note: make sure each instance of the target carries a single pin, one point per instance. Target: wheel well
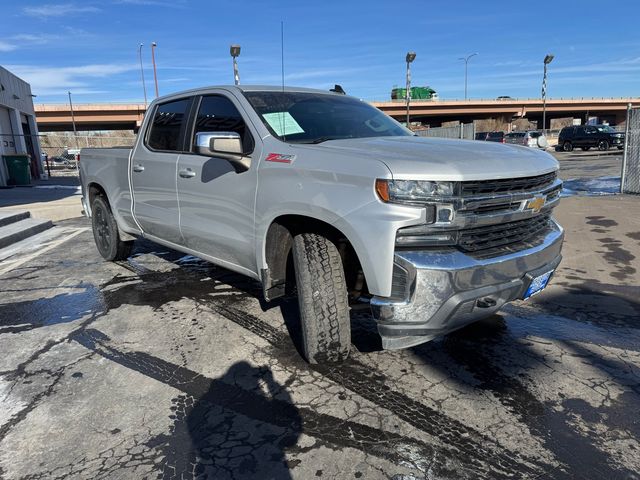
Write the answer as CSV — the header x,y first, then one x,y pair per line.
x,y
96,189
278,245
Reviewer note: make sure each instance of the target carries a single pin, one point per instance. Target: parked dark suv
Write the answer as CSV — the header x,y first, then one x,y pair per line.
x,y
601,137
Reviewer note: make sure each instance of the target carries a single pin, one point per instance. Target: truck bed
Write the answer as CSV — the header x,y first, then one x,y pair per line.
x,y
109,167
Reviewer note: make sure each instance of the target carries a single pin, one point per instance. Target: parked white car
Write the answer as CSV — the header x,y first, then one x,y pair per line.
x,y
528,139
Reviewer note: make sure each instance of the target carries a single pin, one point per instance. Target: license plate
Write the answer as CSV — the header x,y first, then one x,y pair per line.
x,y
538,284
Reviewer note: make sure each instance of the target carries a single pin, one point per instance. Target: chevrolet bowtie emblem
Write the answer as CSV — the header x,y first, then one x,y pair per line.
x,y
536,204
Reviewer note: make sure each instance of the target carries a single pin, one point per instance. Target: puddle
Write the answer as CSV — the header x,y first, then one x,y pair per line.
x,y
591,186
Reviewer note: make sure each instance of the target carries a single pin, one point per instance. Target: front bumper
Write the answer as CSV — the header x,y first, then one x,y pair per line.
x,y
446,290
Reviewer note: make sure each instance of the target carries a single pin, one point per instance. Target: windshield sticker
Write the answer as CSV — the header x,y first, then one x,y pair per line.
x,y
282,123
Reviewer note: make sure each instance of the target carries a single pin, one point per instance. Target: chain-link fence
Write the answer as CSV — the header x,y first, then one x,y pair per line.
x,y
463,131
631,161
61,151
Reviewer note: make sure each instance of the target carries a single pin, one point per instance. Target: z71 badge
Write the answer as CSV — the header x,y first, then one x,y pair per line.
x,y
280,158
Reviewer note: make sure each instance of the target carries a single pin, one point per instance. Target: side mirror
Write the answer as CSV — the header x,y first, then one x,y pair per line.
x,y
227,145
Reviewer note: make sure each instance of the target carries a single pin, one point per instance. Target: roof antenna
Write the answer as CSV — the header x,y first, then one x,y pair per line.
x,y
284,135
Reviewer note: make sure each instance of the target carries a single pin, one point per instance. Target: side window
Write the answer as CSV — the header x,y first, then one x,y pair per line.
x,y
168,125
219,114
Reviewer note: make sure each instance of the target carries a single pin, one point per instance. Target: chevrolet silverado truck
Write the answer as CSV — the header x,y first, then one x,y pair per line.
x,y
321,195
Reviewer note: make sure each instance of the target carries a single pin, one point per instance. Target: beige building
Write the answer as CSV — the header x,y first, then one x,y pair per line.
x,y
18,129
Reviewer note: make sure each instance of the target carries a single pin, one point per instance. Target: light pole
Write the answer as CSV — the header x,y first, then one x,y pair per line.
x,y
234,50
144,87
75,132
411,56
153,59
73,119
547,61
466,64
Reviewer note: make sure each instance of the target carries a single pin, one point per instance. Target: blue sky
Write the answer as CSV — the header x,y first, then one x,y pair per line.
x,y
91,48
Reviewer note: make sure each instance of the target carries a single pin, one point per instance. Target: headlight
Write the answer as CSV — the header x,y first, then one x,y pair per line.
x,y
412,191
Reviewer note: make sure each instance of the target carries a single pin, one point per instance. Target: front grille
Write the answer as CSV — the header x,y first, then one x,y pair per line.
x,y
491,236
507,185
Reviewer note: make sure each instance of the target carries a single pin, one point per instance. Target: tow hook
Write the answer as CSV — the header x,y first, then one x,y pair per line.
x,y
486,302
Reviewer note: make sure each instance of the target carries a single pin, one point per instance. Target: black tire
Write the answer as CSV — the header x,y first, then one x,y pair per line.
x,y
603,145
620,148
585,148
567,146
322,298
105,231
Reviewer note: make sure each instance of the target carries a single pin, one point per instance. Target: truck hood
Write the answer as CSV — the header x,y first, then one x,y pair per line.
x,y
421,158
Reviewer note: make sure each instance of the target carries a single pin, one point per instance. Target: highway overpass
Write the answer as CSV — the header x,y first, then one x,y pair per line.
x,y
57,117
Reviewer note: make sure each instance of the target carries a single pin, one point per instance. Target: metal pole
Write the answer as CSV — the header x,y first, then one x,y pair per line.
x,y
75,132
466,64
626,149
236,75
73,120
466,70
408,92
153,59
544,99
144,87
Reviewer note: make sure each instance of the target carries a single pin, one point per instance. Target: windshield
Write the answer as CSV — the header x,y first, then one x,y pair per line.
x,y
302,117
606,128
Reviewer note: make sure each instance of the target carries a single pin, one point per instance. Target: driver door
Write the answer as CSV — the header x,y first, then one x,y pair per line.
x,y
216,203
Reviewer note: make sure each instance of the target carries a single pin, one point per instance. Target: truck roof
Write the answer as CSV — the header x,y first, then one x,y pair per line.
x,y
247,88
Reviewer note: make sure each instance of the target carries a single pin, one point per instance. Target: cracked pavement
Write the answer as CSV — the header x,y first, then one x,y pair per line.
x,y
166,366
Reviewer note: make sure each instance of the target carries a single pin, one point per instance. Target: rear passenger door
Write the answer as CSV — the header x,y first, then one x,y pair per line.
x,y
216,203
580,138
153,175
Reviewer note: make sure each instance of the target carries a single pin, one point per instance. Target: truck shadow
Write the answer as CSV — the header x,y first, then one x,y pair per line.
x,y
236,426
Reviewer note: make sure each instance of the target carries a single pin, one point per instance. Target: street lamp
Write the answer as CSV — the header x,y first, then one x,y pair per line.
x,y
235,53
153,59
547,60
144,87
466,63
411,56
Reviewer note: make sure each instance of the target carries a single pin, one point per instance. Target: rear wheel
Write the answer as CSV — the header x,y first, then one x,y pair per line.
x,y
603,145
322,298
567,146
105,231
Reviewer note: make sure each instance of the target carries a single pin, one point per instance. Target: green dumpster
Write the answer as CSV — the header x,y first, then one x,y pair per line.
x,y
18,168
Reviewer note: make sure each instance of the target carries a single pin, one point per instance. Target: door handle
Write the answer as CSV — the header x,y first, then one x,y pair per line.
x,y
187,173
138,168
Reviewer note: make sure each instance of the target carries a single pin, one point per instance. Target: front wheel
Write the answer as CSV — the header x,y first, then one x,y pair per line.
x,y
567,146
603,145
322,297
105,232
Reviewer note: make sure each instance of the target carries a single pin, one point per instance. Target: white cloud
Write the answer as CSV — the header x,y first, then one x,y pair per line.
x,y
34,39
7,47
58,10
54,80
154,3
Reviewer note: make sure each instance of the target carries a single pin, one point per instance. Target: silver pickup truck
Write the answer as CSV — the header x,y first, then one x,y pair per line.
x,y
325,193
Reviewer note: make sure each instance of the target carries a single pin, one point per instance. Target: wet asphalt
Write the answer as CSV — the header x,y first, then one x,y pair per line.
x,y
165,366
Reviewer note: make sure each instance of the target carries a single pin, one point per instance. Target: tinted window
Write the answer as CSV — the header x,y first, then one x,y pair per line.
x,y
168,124
496,135
301,117
219,114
